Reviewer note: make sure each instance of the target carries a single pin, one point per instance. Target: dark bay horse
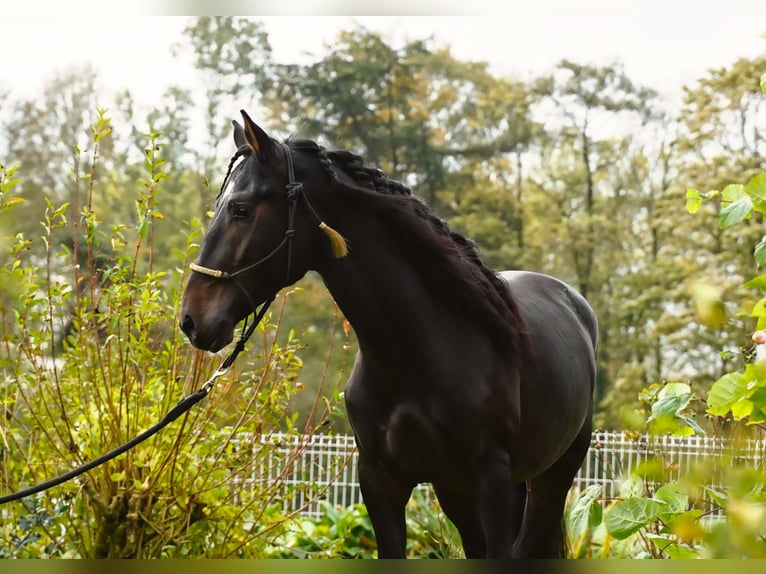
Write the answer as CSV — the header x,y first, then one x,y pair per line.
x,y
479,383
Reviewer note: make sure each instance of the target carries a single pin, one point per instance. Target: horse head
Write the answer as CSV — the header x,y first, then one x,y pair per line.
x,y
264,235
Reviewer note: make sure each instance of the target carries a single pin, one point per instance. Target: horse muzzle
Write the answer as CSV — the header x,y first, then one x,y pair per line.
x,y
212,338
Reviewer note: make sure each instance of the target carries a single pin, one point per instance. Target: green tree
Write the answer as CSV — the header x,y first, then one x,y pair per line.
x,y
42,134
590,194
233,57
719,141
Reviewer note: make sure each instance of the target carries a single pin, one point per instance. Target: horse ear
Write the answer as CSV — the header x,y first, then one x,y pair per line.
x,y
239,134
258,139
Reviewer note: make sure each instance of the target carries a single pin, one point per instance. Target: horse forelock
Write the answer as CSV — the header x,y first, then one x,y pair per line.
x,y
458,267
243,151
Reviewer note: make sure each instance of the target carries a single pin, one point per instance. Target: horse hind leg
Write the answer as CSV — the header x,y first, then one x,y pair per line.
x,y
542,533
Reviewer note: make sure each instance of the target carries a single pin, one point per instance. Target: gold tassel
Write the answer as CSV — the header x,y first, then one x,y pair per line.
x,y
337,241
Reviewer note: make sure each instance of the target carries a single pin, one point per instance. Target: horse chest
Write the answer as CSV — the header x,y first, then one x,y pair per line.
x,y
424,437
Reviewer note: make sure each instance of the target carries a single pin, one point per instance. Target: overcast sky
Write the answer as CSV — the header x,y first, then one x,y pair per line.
x,y
662,44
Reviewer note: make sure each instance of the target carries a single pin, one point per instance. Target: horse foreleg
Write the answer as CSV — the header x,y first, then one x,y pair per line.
x,y
385,497
462,508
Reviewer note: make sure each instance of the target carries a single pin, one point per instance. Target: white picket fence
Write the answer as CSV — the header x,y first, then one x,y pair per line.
x,y
324,467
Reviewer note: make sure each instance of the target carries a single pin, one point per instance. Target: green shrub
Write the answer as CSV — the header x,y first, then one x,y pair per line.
x,y
90,356
347,533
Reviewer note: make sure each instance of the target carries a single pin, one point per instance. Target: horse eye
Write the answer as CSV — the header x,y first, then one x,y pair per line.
x,y
241,210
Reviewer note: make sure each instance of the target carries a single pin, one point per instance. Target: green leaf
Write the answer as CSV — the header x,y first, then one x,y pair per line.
x,y
756,283
674,497
672,398
693,200
583,515
742,408
758,400
756,190
733,192
693,427
630,515
763,84
595,515
759,253
755,372
664,544
11,201
735,212
679,552
725,392
666,411
719,497
117,476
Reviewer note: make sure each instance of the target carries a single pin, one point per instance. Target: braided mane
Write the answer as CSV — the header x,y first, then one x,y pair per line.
x,y
484,293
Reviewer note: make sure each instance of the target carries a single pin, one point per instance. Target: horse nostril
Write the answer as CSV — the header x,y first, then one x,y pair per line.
x,y
187,326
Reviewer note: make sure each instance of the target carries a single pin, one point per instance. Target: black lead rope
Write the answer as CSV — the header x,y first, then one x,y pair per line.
x,y
180,408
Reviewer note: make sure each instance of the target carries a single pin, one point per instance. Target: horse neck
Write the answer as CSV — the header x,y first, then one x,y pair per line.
x,y
393,307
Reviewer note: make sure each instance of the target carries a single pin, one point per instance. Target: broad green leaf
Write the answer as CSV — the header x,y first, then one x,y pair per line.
x,y
693,200
679,552
674,497
742,408
691,424
756,189
117,476
671,548
733,192
632,486
672,398
582,516
708,303
759,254
759,309
756,283
735,212
755,373
725,392
630,515
652,469
763,84
758,399
666,411
719,497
